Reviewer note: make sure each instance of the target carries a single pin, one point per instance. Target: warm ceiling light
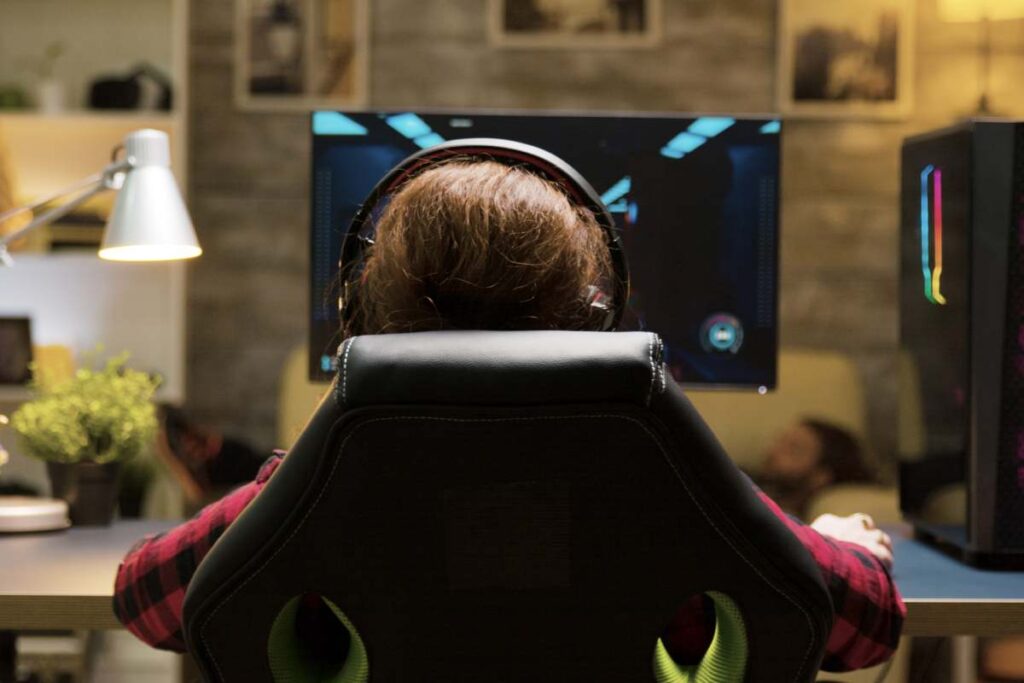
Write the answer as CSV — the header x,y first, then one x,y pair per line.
x,y
977,10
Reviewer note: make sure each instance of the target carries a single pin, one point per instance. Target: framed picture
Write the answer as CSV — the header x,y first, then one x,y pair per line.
x,y
845,59
575,23
301,54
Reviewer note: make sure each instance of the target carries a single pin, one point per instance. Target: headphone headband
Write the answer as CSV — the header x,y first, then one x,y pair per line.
x,y
510,153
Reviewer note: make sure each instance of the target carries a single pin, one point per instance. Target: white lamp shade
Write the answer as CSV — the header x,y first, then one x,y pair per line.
x,y
149,221
976,10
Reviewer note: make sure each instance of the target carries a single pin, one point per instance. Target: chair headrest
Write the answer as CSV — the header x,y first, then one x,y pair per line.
x,y
500,368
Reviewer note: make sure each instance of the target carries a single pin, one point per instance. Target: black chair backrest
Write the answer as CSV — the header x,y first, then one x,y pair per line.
x,y
507,506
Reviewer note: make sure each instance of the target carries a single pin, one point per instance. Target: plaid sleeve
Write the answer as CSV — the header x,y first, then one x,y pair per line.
x,y
150,586
869,611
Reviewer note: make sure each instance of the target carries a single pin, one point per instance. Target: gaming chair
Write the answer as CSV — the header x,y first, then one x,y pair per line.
x,y
504,506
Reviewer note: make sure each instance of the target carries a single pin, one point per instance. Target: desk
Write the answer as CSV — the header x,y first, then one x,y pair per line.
x,y
65,579
946,598
61,580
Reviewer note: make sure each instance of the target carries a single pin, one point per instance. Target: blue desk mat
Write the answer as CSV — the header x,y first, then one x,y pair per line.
x,y
921,571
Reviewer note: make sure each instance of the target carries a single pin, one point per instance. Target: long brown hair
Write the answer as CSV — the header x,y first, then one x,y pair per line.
x,y
481,245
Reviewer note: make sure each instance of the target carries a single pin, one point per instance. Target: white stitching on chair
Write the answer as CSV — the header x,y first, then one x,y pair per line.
x,y
339,377
344,370
661,367
650,359
429,418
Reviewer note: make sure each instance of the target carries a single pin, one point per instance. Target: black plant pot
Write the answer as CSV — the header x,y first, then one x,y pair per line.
x,y
89,489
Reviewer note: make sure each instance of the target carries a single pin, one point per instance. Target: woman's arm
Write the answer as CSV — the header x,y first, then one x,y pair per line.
x,y
152,579
869,612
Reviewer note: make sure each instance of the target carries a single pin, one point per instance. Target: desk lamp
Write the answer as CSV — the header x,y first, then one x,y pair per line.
x,y
149,221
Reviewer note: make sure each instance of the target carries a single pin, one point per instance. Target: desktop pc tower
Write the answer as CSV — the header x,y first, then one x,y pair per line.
x,y
961,362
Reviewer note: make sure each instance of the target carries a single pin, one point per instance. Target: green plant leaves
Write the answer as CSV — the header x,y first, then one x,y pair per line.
x,y
96,416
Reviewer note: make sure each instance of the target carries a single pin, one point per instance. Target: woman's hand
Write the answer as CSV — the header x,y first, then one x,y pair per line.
x,y
860,529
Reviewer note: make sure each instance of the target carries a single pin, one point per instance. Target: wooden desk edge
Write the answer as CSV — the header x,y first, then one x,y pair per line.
x,y
44,612
925,616
934,617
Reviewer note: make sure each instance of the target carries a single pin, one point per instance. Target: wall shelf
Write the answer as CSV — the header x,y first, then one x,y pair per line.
x,y
74,298
88,116
46,152
14,394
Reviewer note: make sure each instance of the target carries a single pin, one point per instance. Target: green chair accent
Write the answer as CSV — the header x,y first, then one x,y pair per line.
x,y
288,663
726,658
724,662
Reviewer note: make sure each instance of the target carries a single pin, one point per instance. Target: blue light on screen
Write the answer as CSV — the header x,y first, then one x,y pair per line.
x,y
772,127
335,123
410,125
428,140
686,142
672,153
618,190
710,126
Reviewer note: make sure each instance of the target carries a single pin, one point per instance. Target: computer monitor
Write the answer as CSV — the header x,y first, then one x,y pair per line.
x,y
695,197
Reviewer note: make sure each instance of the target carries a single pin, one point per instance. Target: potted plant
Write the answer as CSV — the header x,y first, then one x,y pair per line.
x,y
85,427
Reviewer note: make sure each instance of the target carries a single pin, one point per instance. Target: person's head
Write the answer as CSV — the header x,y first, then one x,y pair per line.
x,y
481,245
812,454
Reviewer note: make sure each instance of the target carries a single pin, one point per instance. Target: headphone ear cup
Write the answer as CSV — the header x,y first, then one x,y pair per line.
x,y
602,308
346,303
350,270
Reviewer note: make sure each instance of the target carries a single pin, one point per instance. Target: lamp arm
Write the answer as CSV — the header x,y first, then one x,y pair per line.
x,y
88,188
41,201
55,213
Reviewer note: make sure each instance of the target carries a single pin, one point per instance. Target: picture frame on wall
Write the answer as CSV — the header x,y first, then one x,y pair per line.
x,y
301,54
574,23
845,59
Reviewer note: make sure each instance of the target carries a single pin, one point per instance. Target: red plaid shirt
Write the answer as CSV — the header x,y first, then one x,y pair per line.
x,y
152,579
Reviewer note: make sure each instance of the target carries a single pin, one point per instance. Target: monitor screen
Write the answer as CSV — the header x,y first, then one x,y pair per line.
x,y
935,202
695,199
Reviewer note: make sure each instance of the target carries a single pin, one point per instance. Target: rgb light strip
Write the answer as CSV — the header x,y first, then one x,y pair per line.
x,y
937,222
931,222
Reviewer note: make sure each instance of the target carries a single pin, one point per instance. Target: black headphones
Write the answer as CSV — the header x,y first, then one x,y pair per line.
x,y
510,153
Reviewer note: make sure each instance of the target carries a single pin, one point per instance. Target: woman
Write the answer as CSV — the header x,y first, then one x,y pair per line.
x,y
481,245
